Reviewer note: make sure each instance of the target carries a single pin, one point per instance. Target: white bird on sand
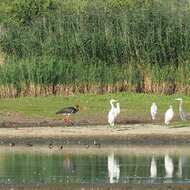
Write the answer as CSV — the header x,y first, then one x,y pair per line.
x,y
153,168
117,109
153,110
169,115
113,169
181,111
112,113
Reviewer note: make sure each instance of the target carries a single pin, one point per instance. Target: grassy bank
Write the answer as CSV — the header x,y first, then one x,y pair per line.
x,y
55,47
94,108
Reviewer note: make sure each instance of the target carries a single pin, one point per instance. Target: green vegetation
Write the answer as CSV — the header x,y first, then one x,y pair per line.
x,y
94,108
61,47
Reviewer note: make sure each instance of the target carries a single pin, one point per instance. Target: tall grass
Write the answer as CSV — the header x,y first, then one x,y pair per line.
x,y
64,47
55,77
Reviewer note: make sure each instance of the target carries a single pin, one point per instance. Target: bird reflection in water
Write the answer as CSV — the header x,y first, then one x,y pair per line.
x,y
68,164
153,168
113,169
169,168
181,162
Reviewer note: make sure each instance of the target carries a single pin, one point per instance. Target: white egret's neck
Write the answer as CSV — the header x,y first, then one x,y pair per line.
x,y
180,104
111,103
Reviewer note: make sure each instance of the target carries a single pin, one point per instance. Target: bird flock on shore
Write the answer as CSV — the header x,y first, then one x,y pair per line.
x,y
169,114
115,111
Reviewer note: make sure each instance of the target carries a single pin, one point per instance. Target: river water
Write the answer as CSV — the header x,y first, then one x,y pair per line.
x,y
36,165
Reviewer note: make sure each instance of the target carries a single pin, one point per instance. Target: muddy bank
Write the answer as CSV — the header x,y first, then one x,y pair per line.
x,y
146,134
73,150
14,120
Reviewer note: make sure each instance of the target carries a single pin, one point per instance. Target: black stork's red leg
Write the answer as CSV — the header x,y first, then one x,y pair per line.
x,y
68,111
67,120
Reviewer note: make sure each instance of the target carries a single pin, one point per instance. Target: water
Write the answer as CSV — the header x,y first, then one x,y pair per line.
x,y
86,166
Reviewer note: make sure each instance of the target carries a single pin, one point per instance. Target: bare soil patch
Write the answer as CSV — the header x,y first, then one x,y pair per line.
x,y
99,134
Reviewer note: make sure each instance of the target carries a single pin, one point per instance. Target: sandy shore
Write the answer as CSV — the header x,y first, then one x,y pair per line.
x,y
125,134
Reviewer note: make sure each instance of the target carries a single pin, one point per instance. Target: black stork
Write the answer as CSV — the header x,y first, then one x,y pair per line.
x,y
68,111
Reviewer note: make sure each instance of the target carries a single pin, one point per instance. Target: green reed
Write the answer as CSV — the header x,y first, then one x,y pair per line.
x,y
95,46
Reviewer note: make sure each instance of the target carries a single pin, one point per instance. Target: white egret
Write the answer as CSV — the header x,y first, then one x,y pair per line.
x,y
117,109
112,113
169,115
181,111
169,166
153,168
113,169
153,110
